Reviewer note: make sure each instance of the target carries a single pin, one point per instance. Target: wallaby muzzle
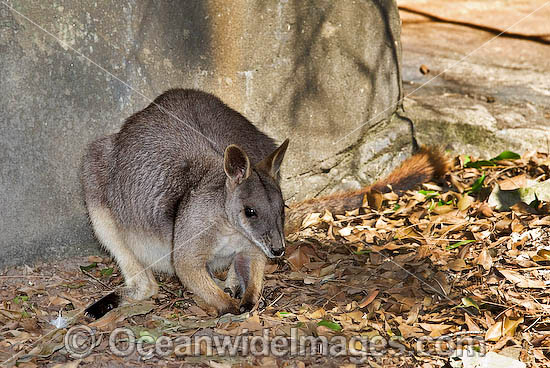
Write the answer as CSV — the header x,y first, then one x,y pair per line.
x,y
277,246
278,252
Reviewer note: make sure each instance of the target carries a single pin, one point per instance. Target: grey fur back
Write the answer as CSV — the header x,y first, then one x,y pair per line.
x,y
148,169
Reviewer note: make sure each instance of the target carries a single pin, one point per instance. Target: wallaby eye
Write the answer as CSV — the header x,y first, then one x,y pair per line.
x,y
250,212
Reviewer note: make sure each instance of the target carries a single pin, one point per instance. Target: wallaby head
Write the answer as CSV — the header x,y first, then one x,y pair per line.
x,y
254,203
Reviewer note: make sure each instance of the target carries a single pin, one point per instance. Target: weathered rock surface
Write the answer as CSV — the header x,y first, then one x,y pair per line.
x,y
491,94
322,73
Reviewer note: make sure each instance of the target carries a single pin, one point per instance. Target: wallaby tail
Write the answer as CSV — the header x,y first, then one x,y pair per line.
x,y
426,164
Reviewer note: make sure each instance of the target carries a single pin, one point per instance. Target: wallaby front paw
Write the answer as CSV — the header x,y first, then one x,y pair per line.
x,y
228,308
248,302
246,306
142,293
234,291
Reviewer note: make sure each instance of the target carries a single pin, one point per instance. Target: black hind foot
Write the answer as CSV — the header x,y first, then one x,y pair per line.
x,y
103,305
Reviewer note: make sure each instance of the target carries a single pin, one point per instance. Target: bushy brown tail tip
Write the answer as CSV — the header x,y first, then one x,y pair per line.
x,y
440,162
428,163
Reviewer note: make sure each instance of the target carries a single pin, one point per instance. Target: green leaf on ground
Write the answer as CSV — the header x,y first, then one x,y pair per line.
x,y
506,155
106,272
75,285
20,299
329,324
469,302
429,193
89,267
478,184
478,164
458,244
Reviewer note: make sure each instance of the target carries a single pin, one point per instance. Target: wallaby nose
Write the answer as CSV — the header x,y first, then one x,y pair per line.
x,y
278,252
277,244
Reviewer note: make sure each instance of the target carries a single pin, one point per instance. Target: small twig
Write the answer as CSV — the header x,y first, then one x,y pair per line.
x,y
504,311
459,333
272,303
331,298
532,324
168,290
96,279
493,303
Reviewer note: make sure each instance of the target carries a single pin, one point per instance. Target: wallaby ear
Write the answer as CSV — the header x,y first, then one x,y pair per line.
x,y
272,163
236,164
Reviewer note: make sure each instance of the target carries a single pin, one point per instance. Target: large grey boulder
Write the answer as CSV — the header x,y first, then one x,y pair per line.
x,y
323,73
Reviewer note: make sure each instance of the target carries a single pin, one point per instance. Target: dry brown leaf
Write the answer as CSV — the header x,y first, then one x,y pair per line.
x,y
458,265
464,202
436,330
545,221
509,326
412,318
494,333
410,331
503,224
55,300
319,313
455,181
520,280
311,220
327,270
484,259
542,255
95,259
298,258
390,196
356,316
381,224
485,210
440,284
523,209
271,267
516,182
472,326
327,217
345,231
372,295
375,199
122,313
517,226
442,210
253,323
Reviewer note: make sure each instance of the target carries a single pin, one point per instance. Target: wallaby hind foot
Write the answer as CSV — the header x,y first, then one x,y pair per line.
x,y
140,281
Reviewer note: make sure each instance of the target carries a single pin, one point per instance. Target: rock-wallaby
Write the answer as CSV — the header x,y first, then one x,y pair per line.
x,y
187,186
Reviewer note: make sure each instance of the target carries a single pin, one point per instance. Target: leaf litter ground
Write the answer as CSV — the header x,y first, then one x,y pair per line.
x,y
408,280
